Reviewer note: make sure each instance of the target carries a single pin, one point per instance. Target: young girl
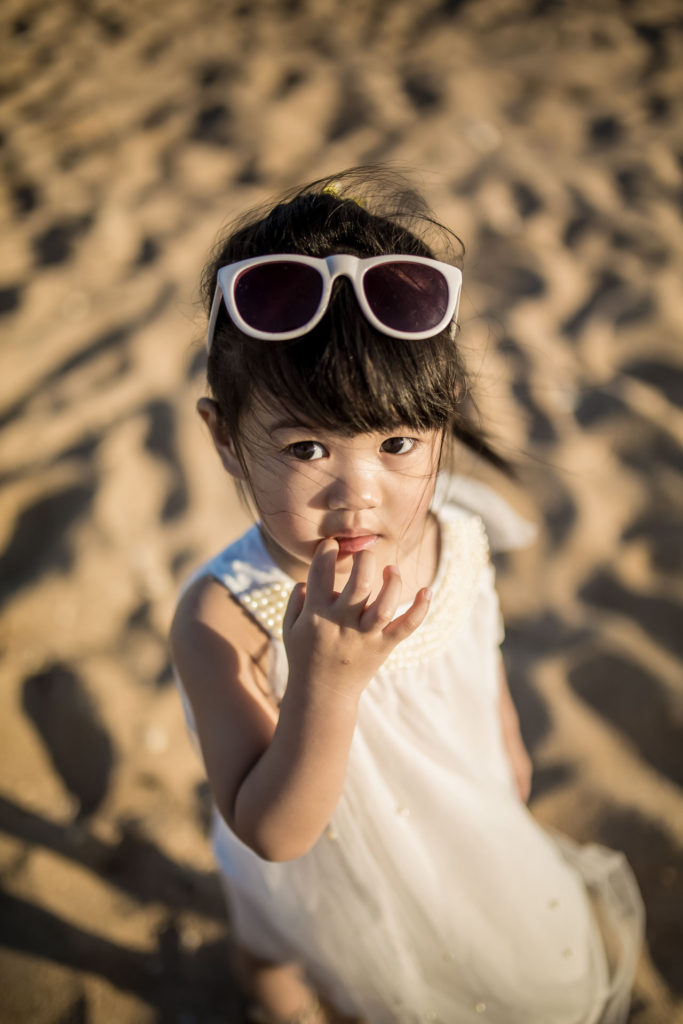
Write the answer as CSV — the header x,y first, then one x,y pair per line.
x,y
341,660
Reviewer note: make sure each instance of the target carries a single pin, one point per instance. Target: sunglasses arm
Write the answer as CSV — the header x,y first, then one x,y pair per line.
x,y
213,316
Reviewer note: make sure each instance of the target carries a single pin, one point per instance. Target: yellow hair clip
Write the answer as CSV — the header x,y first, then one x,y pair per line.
x,y
332,189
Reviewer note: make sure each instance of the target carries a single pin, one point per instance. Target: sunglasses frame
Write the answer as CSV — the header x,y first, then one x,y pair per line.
x,y
329,268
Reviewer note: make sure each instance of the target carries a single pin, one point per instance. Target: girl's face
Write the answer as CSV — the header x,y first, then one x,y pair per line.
x,y
369,491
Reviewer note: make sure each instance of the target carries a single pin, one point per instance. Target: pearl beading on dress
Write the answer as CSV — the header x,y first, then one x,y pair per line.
x,y
464,554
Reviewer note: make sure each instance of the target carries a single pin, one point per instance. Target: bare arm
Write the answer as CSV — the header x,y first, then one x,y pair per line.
x,y
276,780
512,738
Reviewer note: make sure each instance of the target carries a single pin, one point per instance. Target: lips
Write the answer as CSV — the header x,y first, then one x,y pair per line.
x,y
350,544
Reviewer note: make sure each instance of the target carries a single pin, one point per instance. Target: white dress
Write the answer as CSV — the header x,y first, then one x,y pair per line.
x,y
433,894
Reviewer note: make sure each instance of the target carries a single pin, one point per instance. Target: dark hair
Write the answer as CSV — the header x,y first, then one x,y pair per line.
x,y
344,375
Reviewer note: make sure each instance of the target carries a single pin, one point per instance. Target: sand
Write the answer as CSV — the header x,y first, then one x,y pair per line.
x,y
550,137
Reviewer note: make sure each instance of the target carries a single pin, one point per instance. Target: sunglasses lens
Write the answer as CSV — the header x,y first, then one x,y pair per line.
x,y
410,297
278,297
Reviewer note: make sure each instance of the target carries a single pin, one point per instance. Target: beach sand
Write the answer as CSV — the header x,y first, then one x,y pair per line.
x,y
550,137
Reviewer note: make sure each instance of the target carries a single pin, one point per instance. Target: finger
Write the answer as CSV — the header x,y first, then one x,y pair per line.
x,y
407,623
294,606
320,584
357,588
382,610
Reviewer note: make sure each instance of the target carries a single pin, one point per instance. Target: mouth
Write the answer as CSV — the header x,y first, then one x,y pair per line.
x,y
349,545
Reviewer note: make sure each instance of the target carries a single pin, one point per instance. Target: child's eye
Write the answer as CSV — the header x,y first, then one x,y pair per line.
x,y
398,445
306,451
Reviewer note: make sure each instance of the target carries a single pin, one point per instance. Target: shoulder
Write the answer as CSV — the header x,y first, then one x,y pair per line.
x,y
204,601
210,625
210,595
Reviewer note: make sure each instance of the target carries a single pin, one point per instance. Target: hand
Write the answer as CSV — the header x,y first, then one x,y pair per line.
x,y
339,640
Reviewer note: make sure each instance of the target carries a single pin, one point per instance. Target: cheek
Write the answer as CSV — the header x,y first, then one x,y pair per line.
x,y
304,484
282,492
269,481
416,495
415,510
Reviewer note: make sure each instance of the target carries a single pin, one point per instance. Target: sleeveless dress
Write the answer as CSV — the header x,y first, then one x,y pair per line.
x,y
433,894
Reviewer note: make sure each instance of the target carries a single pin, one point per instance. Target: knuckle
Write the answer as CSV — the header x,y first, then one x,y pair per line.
x,y
408,626
383,616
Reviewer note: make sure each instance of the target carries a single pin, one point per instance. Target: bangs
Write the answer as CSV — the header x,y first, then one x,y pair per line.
x,y
348,378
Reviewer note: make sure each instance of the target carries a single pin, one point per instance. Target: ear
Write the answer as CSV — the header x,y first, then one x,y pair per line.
x,y
208,410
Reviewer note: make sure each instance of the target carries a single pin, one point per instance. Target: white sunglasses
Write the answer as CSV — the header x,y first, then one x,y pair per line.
x,y
278,297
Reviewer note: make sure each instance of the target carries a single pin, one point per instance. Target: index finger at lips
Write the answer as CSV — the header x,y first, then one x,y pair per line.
x,y
320,585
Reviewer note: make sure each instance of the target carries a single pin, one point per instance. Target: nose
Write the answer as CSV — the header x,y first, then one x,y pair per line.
x,y
355,486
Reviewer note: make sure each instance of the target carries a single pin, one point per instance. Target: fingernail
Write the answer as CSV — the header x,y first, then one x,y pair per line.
x,y
428,593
